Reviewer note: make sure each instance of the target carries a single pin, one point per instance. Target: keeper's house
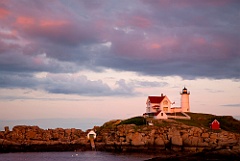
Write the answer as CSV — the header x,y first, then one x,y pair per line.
x,y
160,107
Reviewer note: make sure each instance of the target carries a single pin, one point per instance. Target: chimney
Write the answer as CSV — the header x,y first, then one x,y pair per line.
x,y
161,94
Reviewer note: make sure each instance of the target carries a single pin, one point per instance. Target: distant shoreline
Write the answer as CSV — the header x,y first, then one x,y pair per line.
x,y
79,123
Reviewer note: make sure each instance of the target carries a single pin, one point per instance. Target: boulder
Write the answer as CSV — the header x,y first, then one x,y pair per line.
x,y
129,137
159,142
31,135
150,141
137,139
177,140
205,135
213,136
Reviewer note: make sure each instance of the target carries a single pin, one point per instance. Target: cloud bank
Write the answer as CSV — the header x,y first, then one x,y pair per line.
x,y
156,37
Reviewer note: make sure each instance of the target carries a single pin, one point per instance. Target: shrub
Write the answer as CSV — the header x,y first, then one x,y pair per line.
x,y
135,120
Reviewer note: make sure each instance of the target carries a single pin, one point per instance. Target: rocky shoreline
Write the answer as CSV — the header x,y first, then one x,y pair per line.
x,y
174,138
33,139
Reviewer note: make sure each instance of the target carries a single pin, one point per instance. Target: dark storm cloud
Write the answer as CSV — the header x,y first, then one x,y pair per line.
x,y
186,38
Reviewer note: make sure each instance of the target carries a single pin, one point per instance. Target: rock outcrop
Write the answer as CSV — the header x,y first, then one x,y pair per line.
x,y
177,138
117,137
33,138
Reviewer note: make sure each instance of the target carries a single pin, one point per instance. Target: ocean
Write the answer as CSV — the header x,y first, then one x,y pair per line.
x,y
73,156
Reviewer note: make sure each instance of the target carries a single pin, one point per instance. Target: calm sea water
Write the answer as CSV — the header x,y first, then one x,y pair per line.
x,y
72,156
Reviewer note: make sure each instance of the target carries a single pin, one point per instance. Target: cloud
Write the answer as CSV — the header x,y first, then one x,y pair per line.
x,y
214,90
80,85
71,84
76,85
157,38
232,105
13,98
143,83
65,84
180,46
17,62
18,80
3,13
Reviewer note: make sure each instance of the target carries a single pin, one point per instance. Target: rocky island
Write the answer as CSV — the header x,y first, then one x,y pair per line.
x,y
170,136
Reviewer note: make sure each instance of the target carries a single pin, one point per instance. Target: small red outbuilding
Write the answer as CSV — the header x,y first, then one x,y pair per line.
x,y
215,125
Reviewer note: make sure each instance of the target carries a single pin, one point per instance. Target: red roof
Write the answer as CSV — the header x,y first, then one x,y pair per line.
x,y
156,99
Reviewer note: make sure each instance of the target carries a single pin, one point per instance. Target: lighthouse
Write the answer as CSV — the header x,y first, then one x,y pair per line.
x,y
185,100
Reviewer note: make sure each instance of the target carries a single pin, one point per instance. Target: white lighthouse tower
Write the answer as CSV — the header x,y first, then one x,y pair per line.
x,y
185,100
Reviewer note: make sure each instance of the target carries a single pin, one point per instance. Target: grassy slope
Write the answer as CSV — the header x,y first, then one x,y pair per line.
x,y
227,123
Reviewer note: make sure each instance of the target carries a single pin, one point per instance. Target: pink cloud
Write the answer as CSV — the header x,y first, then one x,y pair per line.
x,y
52,23
167,47
160,43
140,21
136,19
4,13
199,41
155,46
40,24
75,31
25,21
207,48
137,46
56,30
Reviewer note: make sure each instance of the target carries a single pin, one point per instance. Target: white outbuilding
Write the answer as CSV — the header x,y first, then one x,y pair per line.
x,y
91,135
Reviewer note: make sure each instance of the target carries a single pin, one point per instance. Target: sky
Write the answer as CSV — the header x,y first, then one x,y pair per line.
x,y
80,63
